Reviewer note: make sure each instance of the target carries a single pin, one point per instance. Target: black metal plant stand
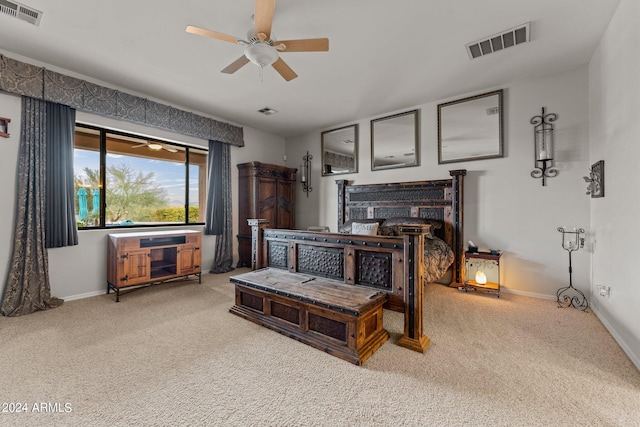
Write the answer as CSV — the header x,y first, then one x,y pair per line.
x,y
572,240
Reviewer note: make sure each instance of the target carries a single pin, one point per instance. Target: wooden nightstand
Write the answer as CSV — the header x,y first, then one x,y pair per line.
x,y
482,271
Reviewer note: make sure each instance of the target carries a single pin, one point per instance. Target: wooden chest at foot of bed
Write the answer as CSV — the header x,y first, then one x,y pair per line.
x,y
342,320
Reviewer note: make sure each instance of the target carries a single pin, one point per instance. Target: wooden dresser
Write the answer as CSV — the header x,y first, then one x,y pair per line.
x,y
136,259
268,192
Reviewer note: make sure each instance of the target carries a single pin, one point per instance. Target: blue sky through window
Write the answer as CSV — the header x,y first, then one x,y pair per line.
x,y
168,175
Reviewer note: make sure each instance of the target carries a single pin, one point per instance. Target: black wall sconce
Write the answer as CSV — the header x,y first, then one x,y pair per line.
x,y
305,173
543,141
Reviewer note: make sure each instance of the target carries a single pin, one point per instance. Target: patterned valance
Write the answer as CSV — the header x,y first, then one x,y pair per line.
x,y
21,78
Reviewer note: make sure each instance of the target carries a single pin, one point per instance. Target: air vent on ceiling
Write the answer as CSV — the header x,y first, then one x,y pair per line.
x,y
267,111
511,37
20,11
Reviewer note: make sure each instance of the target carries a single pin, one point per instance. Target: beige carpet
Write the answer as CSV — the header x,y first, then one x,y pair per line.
x,y
172,355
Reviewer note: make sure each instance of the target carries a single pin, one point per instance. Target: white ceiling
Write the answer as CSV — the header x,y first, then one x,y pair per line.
x,y
384,56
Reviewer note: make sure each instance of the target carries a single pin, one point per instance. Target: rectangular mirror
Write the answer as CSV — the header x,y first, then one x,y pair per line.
x,y
471,128
340,150
395,141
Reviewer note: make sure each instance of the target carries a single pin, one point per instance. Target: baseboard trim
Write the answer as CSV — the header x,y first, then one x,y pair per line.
x,y
101,292
633,357
528,294
85,295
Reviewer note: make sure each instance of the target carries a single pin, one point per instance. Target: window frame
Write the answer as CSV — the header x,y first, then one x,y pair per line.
x,y
103,132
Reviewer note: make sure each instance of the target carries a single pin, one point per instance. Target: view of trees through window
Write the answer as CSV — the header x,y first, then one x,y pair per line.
x,y
126,180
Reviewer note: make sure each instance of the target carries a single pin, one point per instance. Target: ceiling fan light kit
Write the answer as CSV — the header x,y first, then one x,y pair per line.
x,y
261,54
261,48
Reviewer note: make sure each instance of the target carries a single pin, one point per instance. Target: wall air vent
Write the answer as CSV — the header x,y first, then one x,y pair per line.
x,y
20,11
496,42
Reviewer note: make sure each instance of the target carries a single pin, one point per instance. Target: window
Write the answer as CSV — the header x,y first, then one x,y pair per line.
x,y
127,180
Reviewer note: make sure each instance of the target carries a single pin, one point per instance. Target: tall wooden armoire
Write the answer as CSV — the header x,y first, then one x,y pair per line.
x,y
266,192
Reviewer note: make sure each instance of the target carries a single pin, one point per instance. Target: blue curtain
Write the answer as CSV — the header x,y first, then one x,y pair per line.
x,y
218,216
60,220
27,288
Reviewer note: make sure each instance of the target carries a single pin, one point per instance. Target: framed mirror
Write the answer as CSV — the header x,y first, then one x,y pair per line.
x,y
471,128
395,141
340,150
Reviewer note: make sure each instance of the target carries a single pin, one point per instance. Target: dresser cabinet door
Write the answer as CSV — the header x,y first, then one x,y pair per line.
x,y
135,267
189,260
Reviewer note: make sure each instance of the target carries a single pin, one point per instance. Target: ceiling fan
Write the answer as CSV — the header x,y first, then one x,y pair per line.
x,y
260,48
156,146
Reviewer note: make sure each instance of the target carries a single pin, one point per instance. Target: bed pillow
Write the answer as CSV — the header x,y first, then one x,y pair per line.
x,y
369,229
346,227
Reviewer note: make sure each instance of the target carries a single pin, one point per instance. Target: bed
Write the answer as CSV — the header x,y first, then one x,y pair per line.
x,y
438,203
410,216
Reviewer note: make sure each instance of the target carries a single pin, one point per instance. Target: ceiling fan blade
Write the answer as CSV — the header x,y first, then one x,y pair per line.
x,y
144,144
236,65
263,17
303,45
213,34
285,71
169,149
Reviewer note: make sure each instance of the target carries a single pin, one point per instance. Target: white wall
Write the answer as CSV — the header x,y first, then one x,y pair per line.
x,y
505,208
614,102
80,271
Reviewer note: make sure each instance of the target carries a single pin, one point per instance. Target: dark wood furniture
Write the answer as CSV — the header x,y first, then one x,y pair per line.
x,y
392,265
441,199
265,191
342,320
140,259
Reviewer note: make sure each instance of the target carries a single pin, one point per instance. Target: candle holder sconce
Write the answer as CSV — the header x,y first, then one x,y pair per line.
x,y
305,173
572,240
543,143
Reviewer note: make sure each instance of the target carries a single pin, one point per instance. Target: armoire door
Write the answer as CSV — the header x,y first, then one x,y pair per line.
x,y
286,204
268,201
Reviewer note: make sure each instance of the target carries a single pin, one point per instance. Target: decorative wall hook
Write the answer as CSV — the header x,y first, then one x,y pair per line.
x,y
543,145
595,180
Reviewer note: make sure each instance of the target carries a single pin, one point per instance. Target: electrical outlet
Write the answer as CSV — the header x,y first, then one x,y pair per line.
x,y
604,291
